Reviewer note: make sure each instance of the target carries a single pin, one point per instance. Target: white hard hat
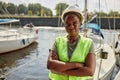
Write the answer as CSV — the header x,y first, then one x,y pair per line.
x,y
74,9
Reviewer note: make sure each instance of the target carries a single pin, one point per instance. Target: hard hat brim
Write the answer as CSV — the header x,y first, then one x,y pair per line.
x,y
72,9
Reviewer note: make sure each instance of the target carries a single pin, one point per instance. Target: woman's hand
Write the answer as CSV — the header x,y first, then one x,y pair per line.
x,y
54,55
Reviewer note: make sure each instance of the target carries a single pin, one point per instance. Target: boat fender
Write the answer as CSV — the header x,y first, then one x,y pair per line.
x,y
36,31
116,44
103,54
23,41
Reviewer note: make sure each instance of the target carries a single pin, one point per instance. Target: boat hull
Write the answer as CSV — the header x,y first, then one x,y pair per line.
x,y
11,40
15,44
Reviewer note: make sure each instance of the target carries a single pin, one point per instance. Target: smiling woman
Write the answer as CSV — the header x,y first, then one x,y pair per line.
x,y
72,56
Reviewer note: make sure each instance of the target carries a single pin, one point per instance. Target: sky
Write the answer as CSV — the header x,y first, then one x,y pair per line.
x,y
93,5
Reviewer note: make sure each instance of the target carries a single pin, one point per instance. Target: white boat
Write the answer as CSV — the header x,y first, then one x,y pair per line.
x,y
14,39
117,50
105,56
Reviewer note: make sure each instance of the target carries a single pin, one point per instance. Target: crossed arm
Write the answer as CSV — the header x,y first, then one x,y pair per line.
x,y
70,68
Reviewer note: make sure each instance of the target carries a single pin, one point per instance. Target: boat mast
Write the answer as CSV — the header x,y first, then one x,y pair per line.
x,y
85,21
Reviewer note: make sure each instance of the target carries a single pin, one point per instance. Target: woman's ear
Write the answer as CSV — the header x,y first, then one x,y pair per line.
x,y
80,23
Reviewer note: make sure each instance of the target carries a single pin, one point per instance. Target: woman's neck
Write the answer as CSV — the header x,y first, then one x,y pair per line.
x,y
72,39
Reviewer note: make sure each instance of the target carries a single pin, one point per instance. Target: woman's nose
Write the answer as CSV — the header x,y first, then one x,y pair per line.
x,y
71,26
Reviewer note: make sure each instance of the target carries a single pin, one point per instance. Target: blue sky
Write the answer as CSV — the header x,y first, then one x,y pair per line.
x,y
106,5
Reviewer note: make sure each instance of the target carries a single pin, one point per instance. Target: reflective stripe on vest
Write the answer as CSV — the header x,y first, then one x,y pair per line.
x,y
79,55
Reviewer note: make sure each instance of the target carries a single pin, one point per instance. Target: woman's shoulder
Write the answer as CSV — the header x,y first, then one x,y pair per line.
x,y
86,38
61,37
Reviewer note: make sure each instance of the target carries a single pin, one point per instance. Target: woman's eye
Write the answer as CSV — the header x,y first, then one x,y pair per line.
x,y
75,24
67,25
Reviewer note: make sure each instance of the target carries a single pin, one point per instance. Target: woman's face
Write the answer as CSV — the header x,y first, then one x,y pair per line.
x,y
72,24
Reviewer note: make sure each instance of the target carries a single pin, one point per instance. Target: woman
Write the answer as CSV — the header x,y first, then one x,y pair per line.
x,y
72,57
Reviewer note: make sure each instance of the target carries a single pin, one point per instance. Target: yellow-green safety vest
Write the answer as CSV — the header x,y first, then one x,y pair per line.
x,y
78,55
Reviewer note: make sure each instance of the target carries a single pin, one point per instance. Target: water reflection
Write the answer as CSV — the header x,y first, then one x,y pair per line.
x,y
16,58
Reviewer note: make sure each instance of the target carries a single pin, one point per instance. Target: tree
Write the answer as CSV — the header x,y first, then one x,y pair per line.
x,y
11,8
34,8
102,14
3,7
113,13
22,9
60,7
50,13
30,8
30,12
42,11
37,7
46,12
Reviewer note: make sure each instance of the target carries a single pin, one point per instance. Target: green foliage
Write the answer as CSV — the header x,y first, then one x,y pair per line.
x,y
3,7
102,14
38,13
60,7
30,12
110,14
39,10
11,8
46,12
34,7
113,14
22,9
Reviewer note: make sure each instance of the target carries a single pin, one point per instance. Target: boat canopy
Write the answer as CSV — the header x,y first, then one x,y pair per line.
x,y
95,28
6,21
